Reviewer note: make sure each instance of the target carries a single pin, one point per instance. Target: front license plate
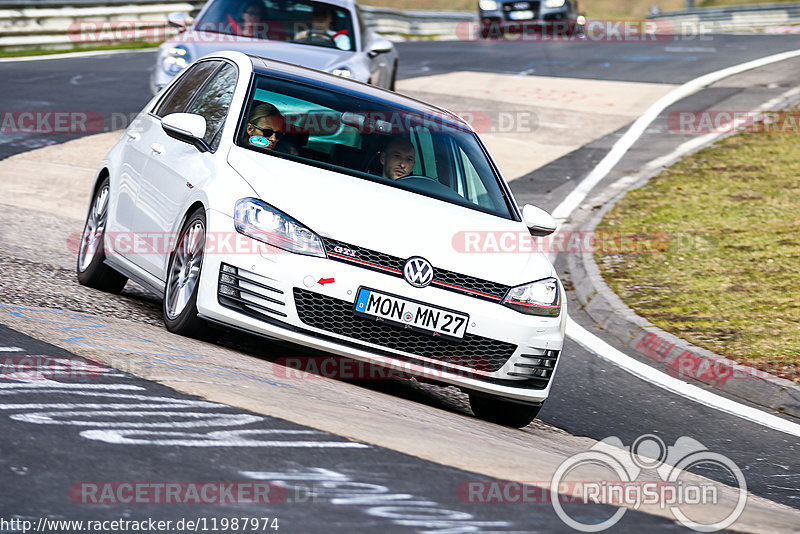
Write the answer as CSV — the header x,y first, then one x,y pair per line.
x,y
520,15
411,314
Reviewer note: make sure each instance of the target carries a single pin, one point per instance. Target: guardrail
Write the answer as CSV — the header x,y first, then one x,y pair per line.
x,y
54,24
441,24
776,18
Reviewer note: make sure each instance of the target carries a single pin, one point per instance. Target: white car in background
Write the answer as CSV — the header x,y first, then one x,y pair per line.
x,y
284,30
289,228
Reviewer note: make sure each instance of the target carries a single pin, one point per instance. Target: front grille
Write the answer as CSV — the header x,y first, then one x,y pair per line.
x,y
334,315
510,7
363,257
469,285
393,266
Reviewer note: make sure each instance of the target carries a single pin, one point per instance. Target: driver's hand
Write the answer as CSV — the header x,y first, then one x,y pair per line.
x,y
301,35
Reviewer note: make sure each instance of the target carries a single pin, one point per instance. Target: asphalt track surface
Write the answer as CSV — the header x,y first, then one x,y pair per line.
x,y
589,398
321,483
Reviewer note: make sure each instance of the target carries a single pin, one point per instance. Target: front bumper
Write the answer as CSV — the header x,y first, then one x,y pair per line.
x,y
278,294
526,17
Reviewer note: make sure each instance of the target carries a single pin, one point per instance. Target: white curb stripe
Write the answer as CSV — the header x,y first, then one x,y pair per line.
x,y
652,375
562,212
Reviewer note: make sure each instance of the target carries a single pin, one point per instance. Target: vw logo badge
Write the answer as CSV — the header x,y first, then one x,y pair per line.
x,y
418,272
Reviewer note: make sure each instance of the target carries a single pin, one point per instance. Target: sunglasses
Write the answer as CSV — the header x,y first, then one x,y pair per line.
x,y
267,132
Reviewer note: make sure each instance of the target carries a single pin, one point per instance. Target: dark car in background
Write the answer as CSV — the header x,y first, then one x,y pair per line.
x,y
548,18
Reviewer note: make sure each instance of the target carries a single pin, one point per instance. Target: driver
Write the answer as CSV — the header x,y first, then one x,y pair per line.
x,y
322,25
398,159
265,123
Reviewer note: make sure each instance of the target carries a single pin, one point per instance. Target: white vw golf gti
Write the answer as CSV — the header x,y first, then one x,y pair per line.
x,y
300,206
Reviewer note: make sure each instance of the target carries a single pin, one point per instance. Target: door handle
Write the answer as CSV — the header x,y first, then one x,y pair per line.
x,y
157,148
135,136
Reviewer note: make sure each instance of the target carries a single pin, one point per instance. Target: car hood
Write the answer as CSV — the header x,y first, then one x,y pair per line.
x,y
315,57
393,221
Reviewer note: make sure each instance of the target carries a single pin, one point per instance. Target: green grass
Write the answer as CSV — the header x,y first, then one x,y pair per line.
x,y
728,279
47,51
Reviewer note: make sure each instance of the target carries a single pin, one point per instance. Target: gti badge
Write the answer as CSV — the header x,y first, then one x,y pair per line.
x,y
344,251
418,272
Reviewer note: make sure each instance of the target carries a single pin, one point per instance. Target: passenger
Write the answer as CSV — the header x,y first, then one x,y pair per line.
x,y
398,158
265,121
251,21
322,27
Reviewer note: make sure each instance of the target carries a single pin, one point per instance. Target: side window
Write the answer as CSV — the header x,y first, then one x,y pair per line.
x,y
178,97
214,101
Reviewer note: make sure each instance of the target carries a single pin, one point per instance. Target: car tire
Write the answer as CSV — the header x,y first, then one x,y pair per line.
x,y
183,281
503,412
91,269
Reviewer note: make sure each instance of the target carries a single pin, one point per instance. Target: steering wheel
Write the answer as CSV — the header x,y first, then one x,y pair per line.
x,y
426,184
314,34
411,177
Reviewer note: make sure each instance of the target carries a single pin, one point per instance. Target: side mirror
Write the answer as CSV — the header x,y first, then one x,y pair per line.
x,y
538,221
380,45
177,19
186,127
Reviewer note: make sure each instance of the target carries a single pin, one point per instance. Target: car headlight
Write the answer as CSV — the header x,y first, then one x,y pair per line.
x,y
175,59
537,298
487,5
554,3
257,219
344,72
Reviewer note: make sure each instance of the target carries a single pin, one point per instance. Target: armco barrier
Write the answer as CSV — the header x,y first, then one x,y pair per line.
x,y
776,18
48,23
54,23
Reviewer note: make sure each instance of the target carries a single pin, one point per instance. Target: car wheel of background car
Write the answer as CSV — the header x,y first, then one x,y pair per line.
x,y
502,412
91,270
183,281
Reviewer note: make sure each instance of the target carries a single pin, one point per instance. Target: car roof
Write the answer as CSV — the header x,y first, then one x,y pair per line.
x,y
298,74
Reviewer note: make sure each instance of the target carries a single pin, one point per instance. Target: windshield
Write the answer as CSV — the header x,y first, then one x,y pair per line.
x,y
423,154
310,23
